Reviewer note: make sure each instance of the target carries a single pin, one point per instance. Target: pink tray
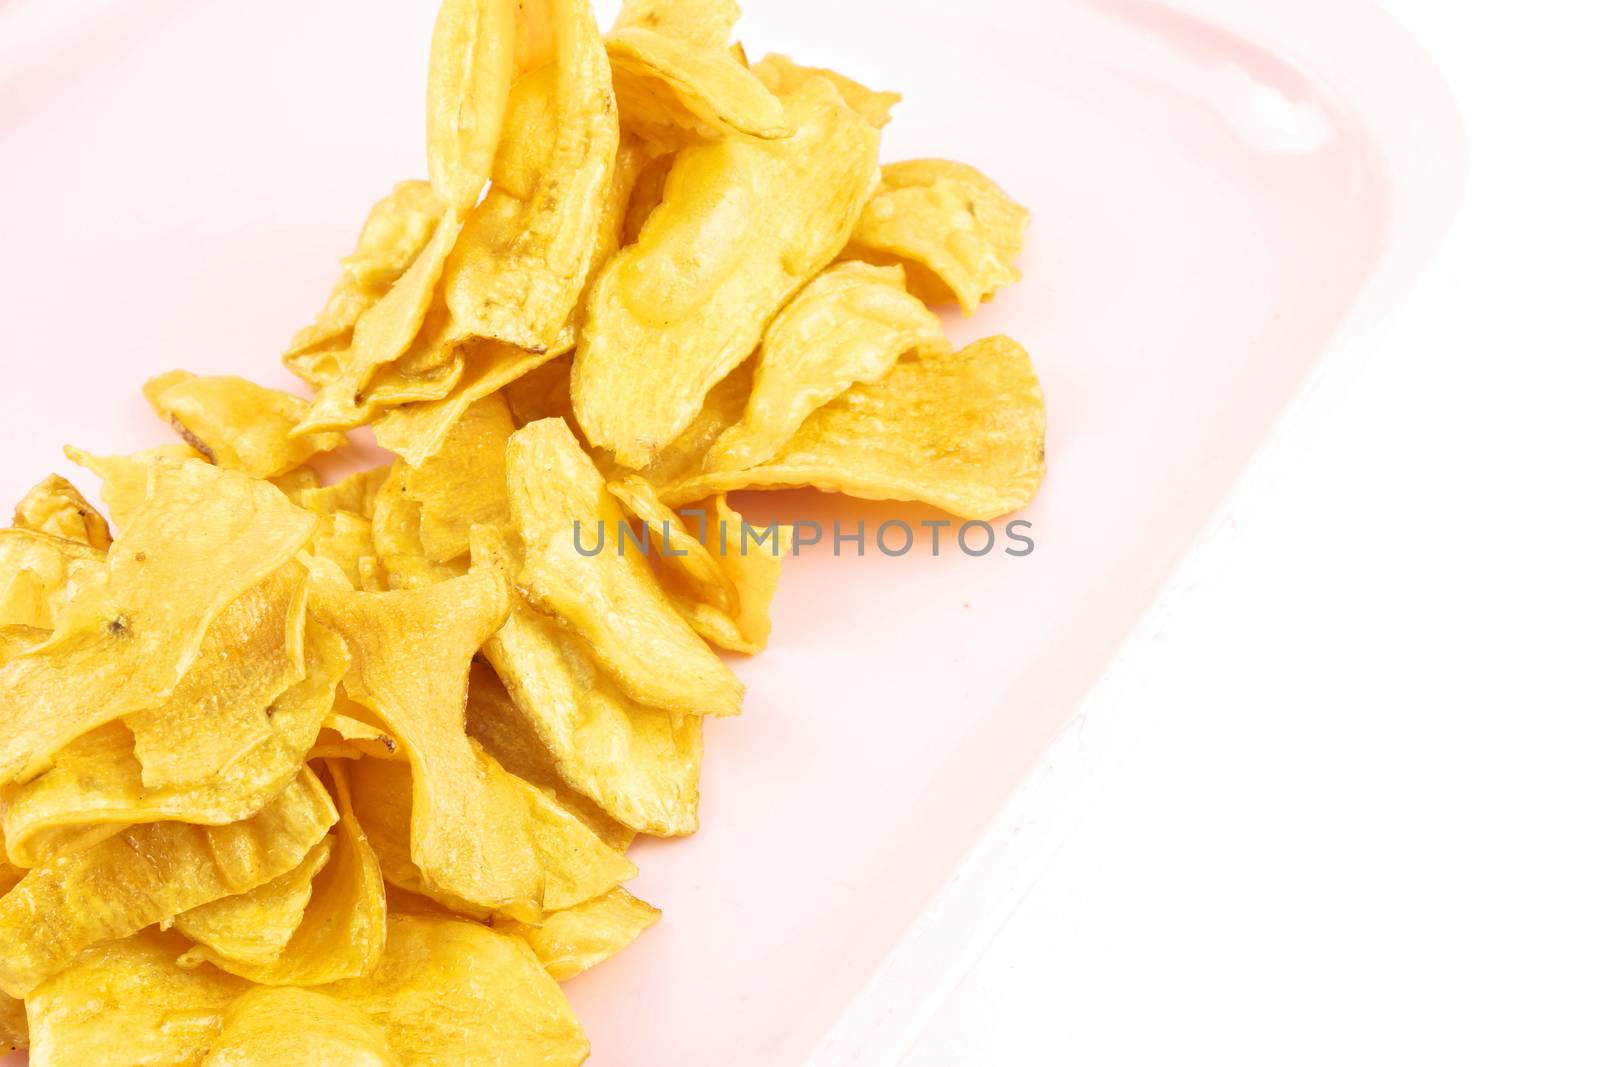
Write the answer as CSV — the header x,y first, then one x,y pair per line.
x,y
1221,190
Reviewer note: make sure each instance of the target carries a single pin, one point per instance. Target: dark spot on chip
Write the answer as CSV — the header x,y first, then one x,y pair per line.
x,y
140,557
388,742
117,627
193,441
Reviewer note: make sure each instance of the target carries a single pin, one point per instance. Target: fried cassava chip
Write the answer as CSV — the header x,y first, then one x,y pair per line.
x,y
707,23
639,764
55,507
783,75
848,325
671,91
956,232
237,424
749,561
494,722
40,574
253,928
222,707
571,941
293,1027
345,539
526,250
354,494
128,1002
680,547
202,539
416,431
342,932
470,68
963,432
448,992
13,1024
94,788
397,229
410,654
744,223
125,480
463,484
609,598
147,874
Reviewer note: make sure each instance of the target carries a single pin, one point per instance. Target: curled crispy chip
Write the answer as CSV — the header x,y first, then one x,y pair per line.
x,y
93,787
342,933
416,431
743,225
237,424
963,432
848,325
147,874
381,337
526,251
128,1002
125,480
610,598
639,764
222,707
571,941
541,393
395,233
682,548
470,834
783,75
956,232
494,722
204,537
55,507
284,1027
253,928
670,91
344,736
749,561
470,68
706,23
649,188
448,992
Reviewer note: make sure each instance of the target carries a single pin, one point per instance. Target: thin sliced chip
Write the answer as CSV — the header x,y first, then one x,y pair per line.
x,y
956,232
55,507
743,225
963,432
448,992
354,494
751,565
639,764
253,928
463,484
470,68
222,707
415,432
93,788
411,650
681,548
290,1027
526,251
147,874
125,480
397,229
237,424
541,393
128,1002
848,325
397,535
610,598
344,736
297,481
381,336
343,931
783,75
494,722
205,536
707,23
672,92
572,941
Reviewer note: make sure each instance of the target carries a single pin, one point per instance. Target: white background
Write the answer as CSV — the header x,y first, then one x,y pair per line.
x,y
1362,826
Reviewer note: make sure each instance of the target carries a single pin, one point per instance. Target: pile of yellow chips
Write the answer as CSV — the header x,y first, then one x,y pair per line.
x,y
305,774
